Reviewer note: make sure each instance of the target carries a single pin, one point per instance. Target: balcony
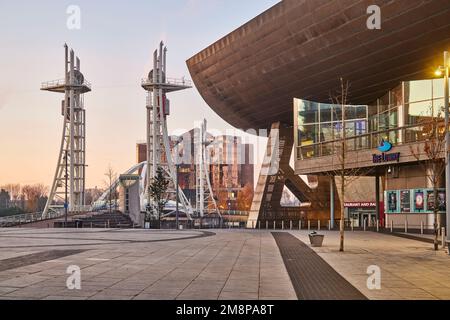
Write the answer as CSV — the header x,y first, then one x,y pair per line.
x,y
60,86
325,156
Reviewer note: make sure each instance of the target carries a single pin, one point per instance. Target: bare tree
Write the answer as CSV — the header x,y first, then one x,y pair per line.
x,y
91,195
14,190
340,146
111,177
35,196
431,157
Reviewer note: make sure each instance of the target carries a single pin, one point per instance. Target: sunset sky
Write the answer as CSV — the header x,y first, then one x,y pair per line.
x,y
115,45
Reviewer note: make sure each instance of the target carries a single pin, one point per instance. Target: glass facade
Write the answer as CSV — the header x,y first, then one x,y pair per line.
x,y
398,116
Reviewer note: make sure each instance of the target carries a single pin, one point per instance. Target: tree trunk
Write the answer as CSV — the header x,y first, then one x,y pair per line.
x,y
342,221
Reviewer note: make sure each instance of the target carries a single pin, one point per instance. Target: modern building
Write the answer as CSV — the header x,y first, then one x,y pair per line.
x,y
387,138
301,49
230,164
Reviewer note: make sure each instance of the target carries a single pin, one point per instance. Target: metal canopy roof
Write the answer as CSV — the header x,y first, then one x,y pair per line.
x,y
300,48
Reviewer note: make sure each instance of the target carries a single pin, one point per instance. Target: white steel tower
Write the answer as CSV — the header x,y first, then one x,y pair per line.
x,y
68,187
158,108
205,202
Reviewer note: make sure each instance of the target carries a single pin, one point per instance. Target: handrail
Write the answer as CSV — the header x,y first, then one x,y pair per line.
x,y
61,82
22,218
170,81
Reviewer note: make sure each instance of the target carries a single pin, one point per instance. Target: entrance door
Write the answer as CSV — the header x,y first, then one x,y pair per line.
x,y
370,218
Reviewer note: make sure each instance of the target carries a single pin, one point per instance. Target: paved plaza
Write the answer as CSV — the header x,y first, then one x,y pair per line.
x,y
216,264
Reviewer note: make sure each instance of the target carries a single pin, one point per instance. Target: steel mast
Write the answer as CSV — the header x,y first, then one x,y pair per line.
x,y
158,109
72,150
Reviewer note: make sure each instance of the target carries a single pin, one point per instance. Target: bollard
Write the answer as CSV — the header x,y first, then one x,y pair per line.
x,y
282,225
274,225
329,225
378,226
443,237
352,225
259,225
406,226
309,225
421,227
267,225
290,225
364,223
318,225
299,224
392,226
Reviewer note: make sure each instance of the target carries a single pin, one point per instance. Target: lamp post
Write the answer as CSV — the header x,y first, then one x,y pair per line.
x,y
444,70
447,146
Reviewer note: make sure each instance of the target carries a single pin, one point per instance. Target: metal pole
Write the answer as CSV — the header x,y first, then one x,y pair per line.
x,y
443,237
332,211
377,196
66,204
178,199
447,144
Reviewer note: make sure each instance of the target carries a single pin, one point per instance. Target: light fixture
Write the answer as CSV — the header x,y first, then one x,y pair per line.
x,y
389,170
439,71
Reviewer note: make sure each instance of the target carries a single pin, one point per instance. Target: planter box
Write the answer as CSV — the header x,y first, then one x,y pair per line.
x,y
316,240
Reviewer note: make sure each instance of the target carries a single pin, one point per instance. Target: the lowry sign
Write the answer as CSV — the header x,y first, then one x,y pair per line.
x,y
384,148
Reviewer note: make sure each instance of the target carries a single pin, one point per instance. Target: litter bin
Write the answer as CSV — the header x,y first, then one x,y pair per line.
x,y
316,239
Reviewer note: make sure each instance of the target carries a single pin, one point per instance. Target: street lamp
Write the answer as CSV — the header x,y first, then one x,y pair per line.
x,y
444,71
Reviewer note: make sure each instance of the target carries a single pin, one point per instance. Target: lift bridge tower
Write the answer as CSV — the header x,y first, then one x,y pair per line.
x,y
68,187
158,109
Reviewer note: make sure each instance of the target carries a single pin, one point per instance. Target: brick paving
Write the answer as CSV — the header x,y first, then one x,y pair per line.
x,y
145,265
311,276
224,264
410,269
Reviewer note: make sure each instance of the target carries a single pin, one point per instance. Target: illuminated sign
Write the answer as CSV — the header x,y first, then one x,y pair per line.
x,y
360,204
384,147
386,157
